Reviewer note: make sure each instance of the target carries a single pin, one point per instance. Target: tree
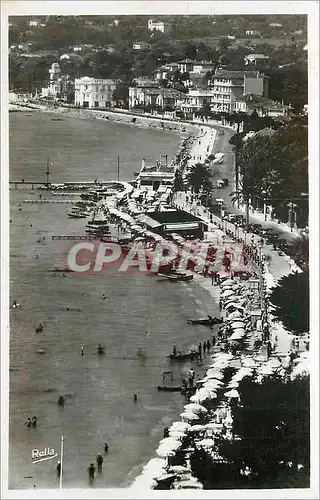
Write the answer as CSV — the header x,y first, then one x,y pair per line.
x,y
121,93
199,178
274,167
178,184
291,302
272,424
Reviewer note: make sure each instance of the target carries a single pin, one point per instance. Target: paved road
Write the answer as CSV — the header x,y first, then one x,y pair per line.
x,y
227,170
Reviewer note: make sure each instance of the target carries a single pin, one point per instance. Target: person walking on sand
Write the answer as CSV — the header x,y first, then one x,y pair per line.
x,y
99,462
91,471
28,422
58,469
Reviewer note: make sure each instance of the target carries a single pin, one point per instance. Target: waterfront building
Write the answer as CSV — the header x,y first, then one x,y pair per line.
x,y
165,28
203,66
263,106
94,92
197,99
186,65
230,85
60,86
153,97
174,221
155,177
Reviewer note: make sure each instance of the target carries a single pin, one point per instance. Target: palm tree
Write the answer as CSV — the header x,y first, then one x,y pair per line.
x,y
199,178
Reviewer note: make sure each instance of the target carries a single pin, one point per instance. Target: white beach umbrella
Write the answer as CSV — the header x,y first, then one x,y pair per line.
x,y
177,434
194,398
227,293
237,324
233,305
196,408
207,443
235,337
228,282
179,469
213,383
214,373
234,315
164,452
189,485
232,394
233,385
239,331
183,426
248,362
188,415
213,426
207,393
196,428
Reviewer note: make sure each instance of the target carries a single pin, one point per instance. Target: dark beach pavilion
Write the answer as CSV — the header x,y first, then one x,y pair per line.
x,y
173,221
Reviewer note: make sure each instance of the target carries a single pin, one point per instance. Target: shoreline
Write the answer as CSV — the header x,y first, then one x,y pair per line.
x,y
125,118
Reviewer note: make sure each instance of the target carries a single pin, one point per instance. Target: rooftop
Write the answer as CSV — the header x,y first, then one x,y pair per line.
x,y
261,101
186,61
257,56
173,216
229,74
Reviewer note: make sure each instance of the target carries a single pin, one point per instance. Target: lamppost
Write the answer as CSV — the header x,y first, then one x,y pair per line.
x,y
292,213
264,205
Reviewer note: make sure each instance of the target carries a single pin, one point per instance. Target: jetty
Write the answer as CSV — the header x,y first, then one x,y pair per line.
x,y
49,201
72,237
50,185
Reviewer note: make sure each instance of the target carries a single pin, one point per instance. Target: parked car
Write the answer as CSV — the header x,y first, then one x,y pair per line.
x,y
255,228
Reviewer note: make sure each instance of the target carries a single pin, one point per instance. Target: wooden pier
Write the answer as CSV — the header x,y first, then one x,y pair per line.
x,y
49,201
50,186
72,237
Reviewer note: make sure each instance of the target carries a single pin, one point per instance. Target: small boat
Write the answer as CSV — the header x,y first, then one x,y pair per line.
x,y
205,321
78,215
176,276
182,357
169,388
